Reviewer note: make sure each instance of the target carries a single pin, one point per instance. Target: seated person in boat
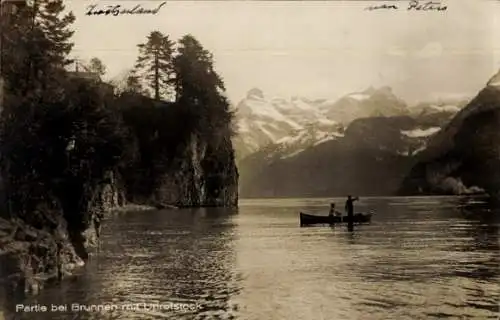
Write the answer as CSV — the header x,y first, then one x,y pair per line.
x,y
333,212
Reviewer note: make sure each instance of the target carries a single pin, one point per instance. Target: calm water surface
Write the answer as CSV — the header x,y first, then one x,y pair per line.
x,y
420,258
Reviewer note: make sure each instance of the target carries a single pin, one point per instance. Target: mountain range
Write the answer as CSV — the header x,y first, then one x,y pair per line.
x,y
291,124
363,143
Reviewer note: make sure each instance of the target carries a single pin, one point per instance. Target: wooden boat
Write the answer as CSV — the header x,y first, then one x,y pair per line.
x,y
309,219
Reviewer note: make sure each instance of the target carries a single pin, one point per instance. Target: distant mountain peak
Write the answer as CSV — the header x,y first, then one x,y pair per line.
x,y
370,90
255,93
385,90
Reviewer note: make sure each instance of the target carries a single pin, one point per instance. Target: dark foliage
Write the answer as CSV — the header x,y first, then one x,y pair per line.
x,y
158,131
154,64
63,137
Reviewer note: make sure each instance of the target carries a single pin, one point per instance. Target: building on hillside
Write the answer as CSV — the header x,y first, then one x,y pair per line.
x,y
107,89
91,76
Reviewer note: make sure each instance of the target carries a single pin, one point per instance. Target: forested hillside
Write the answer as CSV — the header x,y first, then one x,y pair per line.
x,y
73,146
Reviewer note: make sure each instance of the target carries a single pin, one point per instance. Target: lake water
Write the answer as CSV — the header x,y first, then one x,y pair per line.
x,y
420,258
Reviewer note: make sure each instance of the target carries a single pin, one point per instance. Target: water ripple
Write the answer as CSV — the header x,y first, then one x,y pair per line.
x,y
421,258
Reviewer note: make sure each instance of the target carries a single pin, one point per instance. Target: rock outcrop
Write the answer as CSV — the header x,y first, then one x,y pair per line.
x,y
48,243
203,174
34,252
31,257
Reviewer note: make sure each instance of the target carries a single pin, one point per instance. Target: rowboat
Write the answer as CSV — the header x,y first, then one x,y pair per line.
x,y
308,219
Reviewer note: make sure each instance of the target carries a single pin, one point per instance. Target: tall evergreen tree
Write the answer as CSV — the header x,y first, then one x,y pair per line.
x,y
36,43
55,26
199,88
154,64
35,47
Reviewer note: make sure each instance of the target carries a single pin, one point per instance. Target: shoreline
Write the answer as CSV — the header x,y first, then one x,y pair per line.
x,y
31,259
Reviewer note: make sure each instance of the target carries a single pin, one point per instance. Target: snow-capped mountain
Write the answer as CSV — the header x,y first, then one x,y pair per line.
x,y
262,122
301,140
289,125
437,112
369,103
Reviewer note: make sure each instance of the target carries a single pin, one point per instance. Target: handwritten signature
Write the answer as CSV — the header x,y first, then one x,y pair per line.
x,y
413,5
117,10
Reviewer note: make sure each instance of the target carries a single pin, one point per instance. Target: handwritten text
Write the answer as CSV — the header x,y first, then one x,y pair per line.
x,y
413,5
117,10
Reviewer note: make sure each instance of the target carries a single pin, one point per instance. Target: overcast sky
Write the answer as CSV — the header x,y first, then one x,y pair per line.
x,y
313,49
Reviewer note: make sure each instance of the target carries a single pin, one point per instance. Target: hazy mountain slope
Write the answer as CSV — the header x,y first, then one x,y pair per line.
x,y
371,158
465,156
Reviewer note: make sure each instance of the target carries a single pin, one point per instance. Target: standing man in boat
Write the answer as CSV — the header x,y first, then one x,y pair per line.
x,y
349,207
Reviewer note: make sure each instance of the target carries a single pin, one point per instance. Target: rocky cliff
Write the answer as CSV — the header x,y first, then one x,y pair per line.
x,y
71,149
44,245
203,174
58,234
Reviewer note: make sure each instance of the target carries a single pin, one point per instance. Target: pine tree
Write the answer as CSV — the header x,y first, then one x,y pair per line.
x,y
199,88
55,28
97,66
22,51
36,43
154,64
35,48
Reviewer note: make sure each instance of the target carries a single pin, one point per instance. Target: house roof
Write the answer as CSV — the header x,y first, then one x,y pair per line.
x,y
85,75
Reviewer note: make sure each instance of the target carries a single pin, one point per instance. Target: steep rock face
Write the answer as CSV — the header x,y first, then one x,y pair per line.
x,y
182,185
30,257
107,196
45,246
50,241
203,174
465,156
